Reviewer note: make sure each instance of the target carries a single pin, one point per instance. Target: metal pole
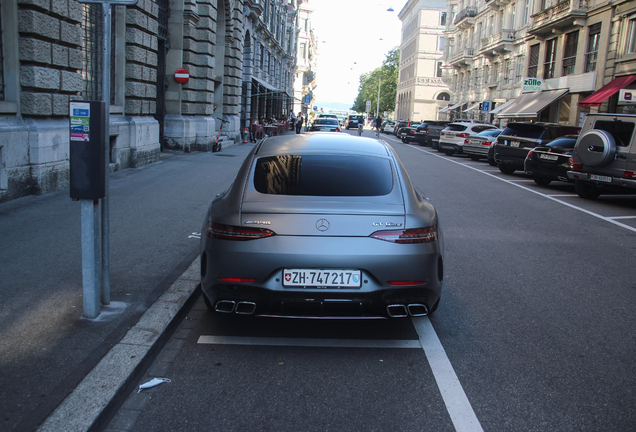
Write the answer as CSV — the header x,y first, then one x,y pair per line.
x,y
105,269
377,111
90,258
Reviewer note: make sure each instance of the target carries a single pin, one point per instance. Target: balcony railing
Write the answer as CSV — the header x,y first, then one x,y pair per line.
x,y
468,12
556,15
462,56
498,42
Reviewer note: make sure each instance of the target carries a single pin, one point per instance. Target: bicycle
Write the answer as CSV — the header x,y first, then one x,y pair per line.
x,y
217,147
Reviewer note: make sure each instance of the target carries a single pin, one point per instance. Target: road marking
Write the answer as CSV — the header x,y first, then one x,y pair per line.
x,y
623,217
550,197
309,342
461,412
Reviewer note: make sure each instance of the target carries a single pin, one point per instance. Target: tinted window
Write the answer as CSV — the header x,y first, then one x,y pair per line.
x,y
481,128
323,175
490,132
621,131
327,121
563,143
524,130
456,127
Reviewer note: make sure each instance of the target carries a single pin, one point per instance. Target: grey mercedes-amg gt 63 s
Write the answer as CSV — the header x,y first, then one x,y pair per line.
x,y
322,225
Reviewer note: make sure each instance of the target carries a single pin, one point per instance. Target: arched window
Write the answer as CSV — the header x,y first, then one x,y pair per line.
x,y
443,97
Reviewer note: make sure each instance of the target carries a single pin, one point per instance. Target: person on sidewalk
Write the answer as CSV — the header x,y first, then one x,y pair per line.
x,y
254,129
299,122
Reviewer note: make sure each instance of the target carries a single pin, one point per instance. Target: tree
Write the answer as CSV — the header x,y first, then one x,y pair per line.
x,y
368,89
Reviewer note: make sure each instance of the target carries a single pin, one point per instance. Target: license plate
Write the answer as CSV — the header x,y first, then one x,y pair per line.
x,y
321,278
403,133
514,143
548,157
605,179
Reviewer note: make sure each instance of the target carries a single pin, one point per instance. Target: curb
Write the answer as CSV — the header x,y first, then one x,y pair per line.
x,y
101,392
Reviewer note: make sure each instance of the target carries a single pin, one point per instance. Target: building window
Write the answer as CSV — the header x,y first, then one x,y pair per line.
x,y
592,47
526,13
533,64
550,58
520,64
486,74
303,51
2,97
631,37
569,53
442,20
441,44
439,69
443,97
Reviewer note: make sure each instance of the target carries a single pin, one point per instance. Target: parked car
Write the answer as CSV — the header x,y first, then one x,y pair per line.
x,y
325,124
551,162
427,133
407,134
452,138
604,157
479,146
389,127
353,120
518,138
320,225
400,124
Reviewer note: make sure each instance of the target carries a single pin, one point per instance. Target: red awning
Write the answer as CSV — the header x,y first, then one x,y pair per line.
x,y
597,98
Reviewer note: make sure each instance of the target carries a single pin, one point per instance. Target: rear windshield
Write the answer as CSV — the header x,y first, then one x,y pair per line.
x,y
323,175
456,127
563,143
490,132
328,121
621,131
524,130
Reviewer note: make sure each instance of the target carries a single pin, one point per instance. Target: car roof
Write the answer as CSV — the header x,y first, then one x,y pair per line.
x,y
322,143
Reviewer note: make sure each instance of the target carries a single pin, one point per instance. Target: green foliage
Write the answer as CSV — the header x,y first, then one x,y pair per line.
x,y
368,89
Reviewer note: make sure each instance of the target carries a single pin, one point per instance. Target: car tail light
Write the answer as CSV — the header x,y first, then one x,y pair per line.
x,y
575,165
529,154
228,232
466,141
408,236
337,129
440,134
237,280
630,174
462,135
406,282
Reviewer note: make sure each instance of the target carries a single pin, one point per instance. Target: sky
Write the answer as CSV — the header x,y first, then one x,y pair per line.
x,y
353,37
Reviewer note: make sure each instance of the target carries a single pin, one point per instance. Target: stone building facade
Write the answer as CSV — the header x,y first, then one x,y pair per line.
x,y
305,78
421,91
51,54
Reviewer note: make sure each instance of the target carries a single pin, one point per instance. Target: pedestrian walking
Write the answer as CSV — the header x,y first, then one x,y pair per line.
x,y
299,122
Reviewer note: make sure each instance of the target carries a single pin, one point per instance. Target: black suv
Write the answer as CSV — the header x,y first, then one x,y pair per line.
x,y
514,143
428,131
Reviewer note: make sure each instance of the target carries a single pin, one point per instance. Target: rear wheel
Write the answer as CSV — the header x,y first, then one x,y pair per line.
x,y
542,181
474,157
585,190
506,169
448,152
492,162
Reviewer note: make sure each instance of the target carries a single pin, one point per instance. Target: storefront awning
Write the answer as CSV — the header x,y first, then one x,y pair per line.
x,y
529,105
599,96
452,107
265,84
502,106
472,107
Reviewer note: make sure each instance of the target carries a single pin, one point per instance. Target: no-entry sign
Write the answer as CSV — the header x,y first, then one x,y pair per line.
x,y
181,75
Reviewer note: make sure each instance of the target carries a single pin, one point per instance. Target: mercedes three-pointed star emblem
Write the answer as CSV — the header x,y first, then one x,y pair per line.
x,y
322,224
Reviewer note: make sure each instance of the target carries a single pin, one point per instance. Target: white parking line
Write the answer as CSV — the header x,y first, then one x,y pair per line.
x,y
550,197
456,401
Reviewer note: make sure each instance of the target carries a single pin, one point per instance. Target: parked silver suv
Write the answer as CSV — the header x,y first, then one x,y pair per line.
x,y
604,158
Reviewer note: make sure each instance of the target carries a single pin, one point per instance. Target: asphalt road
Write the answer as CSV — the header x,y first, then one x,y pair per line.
x,y
536,323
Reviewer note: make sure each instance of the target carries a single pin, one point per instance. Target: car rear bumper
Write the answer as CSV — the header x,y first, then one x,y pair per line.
x,y
613,181
264,261
450,146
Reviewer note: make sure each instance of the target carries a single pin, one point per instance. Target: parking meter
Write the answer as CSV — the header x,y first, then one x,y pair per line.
x,y
87,150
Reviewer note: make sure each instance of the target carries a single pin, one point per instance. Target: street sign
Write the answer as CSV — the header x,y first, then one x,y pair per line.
x,y
369,103
307,98
485,106
181,75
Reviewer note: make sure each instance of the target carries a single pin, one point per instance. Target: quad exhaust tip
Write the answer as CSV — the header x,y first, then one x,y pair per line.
x,y
241,308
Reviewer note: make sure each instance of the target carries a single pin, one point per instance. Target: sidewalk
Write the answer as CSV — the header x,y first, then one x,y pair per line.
x,y
47,350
